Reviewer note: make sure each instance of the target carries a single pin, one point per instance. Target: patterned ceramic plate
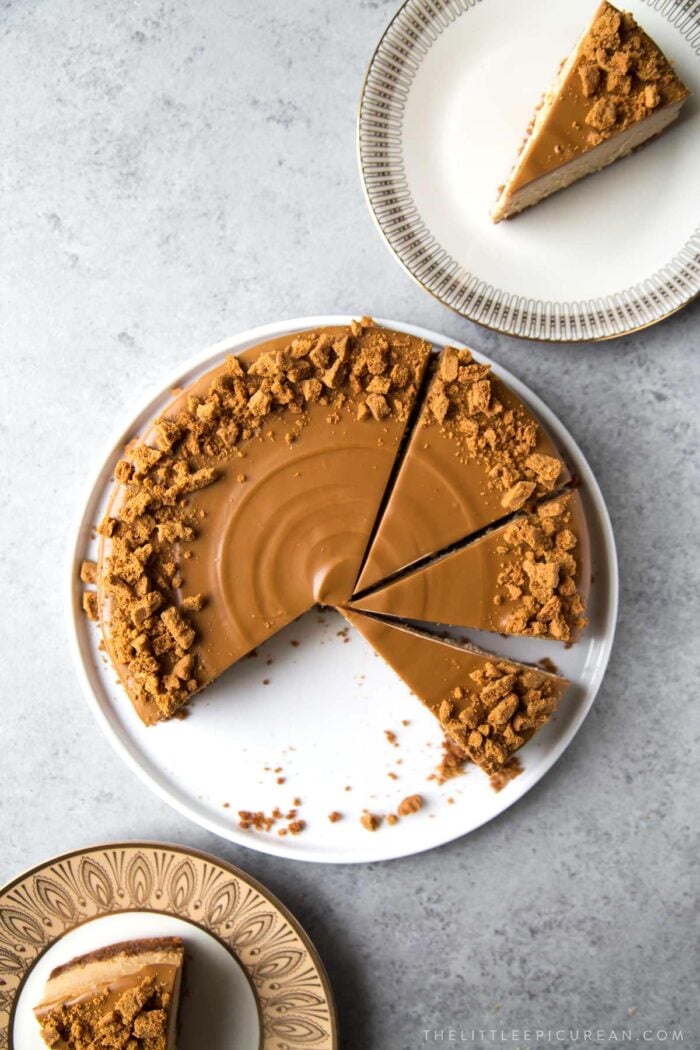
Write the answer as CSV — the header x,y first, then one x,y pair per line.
x,y
448,95
253,979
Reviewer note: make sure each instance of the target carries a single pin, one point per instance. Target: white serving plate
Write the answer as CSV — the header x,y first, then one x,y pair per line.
x,y
448,95
323,714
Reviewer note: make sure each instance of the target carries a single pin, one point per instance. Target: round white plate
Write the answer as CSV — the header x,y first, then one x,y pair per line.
x,y
448,95
315,713
252,979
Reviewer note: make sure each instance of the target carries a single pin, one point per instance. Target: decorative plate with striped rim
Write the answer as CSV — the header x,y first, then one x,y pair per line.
x,y
252,981
447,97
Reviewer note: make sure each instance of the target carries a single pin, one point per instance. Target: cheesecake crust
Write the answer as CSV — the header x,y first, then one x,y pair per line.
x,y
126,948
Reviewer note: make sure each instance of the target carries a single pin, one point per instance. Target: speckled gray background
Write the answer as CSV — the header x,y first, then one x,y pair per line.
x,y
177,171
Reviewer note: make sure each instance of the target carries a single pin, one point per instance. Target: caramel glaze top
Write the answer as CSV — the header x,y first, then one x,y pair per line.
x,y
278,518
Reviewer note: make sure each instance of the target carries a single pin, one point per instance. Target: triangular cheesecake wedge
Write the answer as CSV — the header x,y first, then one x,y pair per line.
x,y
489,706
614,92
528,577
123,995
476,455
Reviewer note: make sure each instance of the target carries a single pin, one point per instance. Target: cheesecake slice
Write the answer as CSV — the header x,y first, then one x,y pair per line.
x,y
614,92
477,455
528,577
487,705
123,995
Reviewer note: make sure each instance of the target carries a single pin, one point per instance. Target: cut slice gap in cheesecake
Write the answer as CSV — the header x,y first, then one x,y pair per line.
x,y
476,455
453,548
401,453
127,991
529,576
488,705
615,91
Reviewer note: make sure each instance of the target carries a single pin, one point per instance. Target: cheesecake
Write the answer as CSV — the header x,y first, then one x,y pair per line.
x,y
351,467
124,995
528,577
614,92
476,455
248,501
486,705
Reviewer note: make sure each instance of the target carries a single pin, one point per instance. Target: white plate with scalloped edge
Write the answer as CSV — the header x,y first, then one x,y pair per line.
x,y
311,709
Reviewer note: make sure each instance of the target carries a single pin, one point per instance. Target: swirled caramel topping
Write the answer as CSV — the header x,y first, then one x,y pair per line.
x,y
297,403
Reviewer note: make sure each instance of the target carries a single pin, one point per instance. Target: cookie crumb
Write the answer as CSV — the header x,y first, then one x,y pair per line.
x,y
410,804
255,821
452,764
370,821
88,572
510,771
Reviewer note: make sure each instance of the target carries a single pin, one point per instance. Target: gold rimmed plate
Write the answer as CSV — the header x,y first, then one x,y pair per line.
x,y
448,95
253,980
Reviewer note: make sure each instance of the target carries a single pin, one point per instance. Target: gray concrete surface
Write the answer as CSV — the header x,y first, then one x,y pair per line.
x,y
175,171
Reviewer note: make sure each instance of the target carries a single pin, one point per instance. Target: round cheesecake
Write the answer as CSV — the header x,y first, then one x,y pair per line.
x,y
347,466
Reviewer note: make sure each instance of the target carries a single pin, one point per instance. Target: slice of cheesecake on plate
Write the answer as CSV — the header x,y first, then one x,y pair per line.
x,y
528,577
614,92
476,455
126,994
489,706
